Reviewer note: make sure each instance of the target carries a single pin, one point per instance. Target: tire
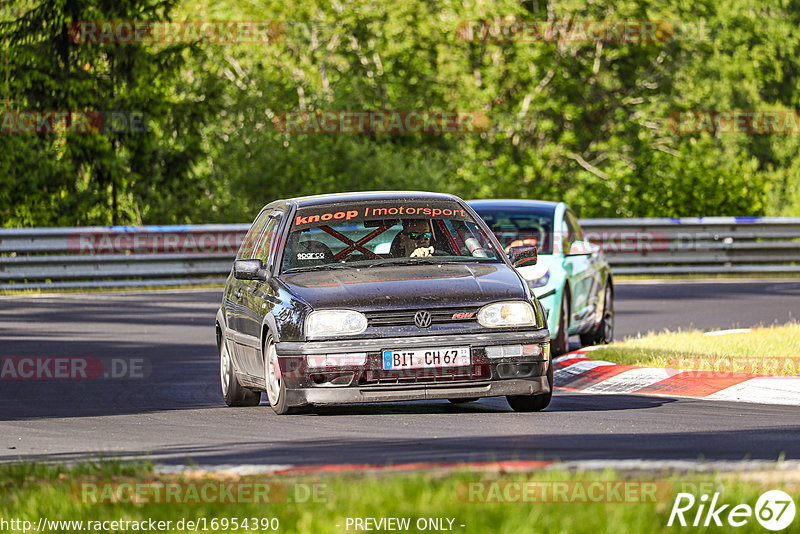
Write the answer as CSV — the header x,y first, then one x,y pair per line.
x,y
560,344
464,400
232,391
533,403
273,384
604,332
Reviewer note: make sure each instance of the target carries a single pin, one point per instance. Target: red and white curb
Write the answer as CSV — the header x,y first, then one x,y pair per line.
x,y
577,372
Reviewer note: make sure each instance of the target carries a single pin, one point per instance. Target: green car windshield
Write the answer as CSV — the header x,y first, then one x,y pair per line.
x,y
371,234
512,227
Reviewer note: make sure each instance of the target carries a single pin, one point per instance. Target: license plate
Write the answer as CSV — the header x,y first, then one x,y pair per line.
x,y
425,358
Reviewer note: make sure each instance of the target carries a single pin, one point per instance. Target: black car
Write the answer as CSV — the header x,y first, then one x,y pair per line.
x,y
379,296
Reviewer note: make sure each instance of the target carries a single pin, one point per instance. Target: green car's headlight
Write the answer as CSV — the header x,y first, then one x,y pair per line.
x,y
511,313
328,323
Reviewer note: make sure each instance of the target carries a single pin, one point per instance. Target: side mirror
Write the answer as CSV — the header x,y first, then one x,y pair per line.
x,y
581,248
250,270
523,256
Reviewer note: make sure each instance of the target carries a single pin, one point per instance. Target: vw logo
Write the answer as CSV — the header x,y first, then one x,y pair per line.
x,y
422,319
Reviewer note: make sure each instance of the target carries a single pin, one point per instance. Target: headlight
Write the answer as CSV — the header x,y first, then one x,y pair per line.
x,y
541,281
515,313
328,323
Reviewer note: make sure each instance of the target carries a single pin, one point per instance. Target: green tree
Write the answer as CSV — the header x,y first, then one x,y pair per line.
x,y
122,175
581,121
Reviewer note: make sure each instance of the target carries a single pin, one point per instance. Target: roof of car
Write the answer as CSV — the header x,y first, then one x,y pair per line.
x,y
361,196
511,203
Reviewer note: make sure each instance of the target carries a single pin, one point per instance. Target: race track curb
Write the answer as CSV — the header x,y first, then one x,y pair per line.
x,y
576,372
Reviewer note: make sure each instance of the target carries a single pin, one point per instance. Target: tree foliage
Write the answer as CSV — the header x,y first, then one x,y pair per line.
x,y
584,121
123,173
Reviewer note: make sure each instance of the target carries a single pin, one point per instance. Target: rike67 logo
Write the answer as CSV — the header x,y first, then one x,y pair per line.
x,y
774,510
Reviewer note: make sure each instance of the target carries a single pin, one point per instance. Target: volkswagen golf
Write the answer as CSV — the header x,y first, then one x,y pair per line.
x,y
379,296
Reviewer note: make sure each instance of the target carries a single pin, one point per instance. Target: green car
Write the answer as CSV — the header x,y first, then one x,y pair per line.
x,y
572,277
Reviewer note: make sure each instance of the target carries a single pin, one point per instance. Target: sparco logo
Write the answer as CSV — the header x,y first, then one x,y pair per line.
x,y
311,256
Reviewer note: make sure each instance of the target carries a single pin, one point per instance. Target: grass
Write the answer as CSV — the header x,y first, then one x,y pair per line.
x,y
773,351
318,504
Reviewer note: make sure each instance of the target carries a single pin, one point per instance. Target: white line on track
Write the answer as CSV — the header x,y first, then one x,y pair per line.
x,y
728,332
666,281
234,469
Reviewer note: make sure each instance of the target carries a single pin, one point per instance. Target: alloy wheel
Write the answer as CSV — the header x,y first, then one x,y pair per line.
x,y
272,374
224,367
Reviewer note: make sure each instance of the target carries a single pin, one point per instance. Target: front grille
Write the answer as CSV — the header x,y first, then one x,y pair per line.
x,y
426,376
438,316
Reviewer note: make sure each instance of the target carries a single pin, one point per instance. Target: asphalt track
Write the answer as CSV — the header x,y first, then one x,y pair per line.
x,y
176,412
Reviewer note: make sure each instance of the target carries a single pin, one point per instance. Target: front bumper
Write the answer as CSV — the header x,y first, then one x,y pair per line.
x,y
484,377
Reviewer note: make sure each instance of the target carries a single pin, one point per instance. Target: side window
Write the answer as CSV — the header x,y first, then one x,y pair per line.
x,y
265,243
251,238
574,228
471,240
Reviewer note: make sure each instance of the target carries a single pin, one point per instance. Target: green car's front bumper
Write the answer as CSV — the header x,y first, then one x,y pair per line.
x,y
551,292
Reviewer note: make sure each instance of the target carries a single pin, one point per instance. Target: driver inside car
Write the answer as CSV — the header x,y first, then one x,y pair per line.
x,y
415,239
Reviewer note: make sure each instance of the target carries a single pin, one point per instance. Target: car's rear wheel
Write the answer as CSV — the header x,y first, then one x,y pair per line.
x,y
560,344
533,403
232,391
604,332
274,383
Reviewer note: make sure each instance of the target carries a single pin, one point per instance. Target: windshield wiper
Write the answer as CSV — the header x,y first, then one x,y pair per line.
x,y
409,261
326,267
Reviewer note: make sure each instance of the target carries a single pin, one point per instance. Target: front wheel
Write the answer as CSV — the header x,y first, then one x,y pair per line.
x,y
533,403
274,383
232,391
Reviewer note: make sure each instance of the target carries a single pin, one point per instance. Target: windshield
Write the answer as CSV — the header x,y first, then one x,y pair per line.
x,y
371,234
515,227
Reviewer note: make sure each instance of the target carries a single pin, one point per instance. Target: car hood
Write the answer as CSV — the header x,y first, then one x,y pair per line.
x,y
407,286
